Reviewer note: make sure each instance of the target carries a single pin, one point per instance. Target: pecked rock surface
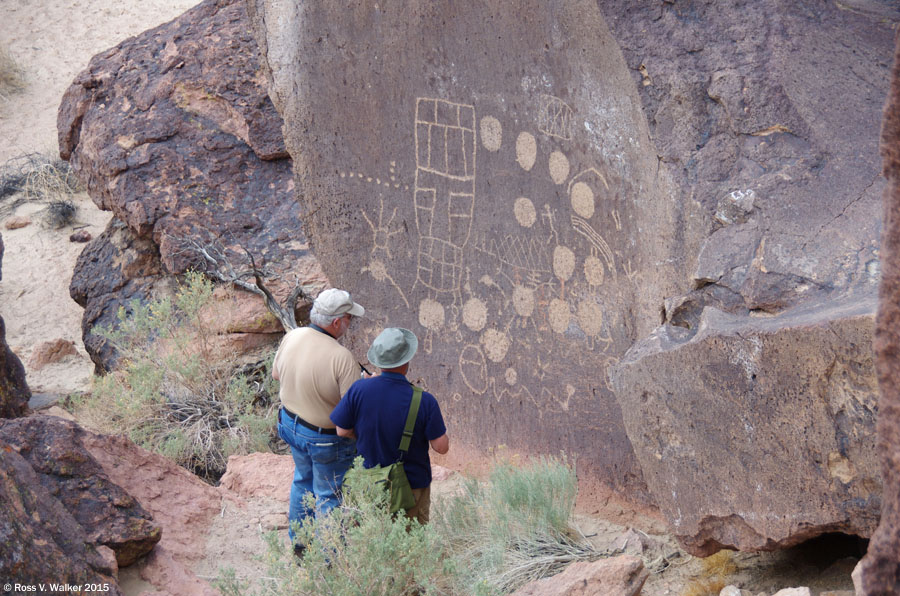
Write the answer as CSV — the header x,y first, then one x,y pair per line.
x,y
55,450
41,541
758,434
14,391
879,572
173,132
534,192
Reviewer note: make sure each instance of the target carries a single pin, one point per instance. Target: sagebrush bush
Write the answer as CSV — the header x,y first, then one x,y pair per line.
x,y
491,538
170,394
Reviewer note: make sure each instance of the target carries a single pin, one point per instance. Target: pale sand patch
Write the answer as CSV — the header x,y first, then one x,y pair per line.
x,y
52,41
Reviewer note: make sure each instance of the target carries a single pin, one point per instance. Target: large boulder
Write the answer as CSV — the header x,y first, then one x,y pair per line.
x,y
534,191
14,391
111,517
42,541
173,132
879,572
758,434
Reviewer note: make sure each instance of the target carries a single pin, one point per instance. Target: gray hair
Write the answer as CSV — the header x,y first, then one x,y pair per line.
x,y
317,318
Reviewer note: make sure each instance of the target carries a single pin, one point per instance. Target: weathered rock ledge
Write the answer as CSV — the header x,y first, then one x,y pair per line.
x,y
757,433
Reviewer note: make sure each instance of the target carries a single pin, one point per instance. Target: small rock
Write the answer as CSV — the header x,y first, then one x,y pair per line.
x,y
730,591
631,543
50,352
16,222
735,207
80,236
623,576
793,592
274,521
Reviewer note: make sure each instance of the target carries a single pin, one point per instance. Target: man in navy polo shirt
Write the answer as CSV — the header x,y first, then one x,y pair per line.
x,y
374,411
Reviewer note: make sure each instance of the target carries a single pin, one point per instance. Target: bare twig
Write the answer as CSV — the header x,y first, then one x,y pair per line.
x,y
221,268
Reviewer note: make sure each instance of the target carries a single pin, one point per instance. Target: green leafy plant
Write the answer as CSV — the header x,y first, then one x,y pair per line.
x,y
170,393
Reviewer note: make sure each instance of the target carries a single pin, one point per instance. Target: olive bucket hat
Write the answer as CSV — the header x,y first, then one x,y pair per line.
x,y
393,347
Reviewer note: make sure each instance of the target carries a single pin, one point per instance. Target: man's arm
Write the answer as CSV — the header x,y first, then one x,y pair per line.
x,y
440,444
345,432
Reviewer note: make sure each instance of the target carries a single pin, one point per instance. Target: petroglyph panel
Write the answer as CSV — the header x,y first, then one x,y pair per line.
x,y
489,205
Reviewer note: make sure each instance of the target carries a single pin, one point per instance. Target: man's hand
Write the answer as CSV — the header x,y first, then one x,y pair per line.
x,y
345,432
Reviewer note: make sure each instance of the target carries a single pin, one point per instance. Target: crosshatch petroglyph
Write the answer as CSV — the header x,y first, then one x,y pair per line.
x,y
444,197
555,118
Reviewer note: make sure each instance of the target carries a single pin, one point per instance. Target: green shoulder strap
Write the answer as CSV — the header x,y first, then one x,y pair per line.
x,y
411,419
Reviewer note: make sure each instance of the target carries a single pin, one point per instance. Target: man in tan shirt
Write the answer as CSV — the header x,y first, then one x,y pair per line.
x,y
315,371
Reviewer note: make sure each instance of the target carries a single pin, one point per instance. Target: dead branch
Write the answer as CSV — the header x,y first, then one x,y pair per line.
x,y
220,267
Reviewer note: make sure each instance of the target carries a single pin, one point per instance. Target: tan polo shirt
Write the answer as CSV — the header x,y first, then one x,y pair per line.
x,y
314,371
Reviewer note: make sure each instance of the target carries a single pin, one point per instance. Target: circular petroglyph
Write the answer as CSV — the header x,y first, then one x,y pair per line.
x,y
524,211
563,262
559,315
590,317
496,344
474,314
491,133
526,150
559,167
523,300
511,376
378,270
473,369
431,314
593,270
583,200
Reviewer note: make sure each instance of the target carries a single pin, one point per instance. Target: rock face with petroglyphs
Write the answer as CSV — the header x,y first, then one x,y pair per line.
x,y
500,211
535,191
173,132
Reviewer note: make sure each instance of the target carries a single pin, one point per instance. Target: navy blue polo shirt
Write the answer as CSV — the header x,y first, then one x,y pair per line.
x,y
376,409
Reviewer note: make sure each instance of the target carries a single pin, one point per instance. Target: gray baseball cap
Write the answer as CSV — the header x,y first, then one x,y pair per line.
x,y
393,347
334,302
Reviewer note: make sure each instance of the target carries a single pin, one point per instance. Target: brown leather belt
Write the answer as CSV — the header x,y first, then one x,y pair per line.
x,y
310,426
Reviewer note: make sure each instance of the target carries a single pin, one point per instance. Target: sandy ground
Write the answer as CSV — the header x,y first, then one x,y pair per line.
x,y
52,40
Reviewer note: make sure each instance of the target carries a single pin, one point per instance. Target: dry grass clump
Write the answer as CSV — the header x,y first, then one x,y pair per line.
x,y
39,178
714,574
12,77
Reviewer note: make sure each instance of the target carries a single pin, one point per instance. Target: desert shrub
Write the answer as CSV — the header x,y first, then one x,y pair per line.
x,y
514,528
12,78
491,538
169,394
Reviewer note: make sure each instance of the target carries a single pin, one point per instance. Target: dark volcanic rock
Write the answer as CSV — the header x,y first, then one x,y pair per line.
x,y
68,472
532,190
879,572
496,207
41,541
757,434
112,270
14,391
173,132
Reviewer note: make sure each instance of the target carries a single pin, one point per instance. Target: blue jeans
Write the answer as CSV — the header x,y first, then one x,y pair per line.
x,y
320,462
